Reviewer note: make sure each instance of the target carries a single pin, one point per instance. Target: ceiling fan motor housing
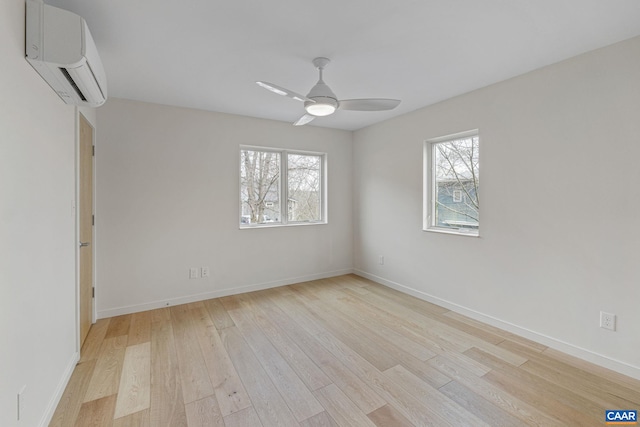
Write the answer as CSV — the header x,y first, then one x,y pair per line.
x,y
322,95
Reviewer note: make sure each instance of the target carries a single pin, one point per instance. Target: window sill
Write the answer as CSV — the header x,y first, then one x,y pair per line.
x,y
454,232
279,225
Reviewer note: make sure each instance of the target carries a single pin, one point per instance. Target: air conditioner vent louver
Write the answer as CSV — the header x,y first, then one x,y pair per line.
x,y
73,84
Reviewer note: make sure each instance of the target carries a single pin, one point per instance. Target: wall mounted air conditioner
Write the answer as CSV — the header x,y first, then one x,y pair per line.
x,y
59,46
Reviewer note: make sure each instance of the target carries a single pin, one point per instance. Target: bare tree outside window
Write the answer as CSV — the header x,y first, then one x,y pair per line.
x,y
261,176
304,187
259,186
454,190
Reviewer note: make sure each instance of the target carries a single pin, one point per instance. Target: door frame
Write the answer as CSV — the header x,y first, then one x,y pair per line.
x,y
89,116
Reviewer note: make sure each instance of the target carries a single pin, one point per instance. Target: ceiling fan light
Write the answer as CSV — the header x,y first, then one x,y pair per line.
x,y
320,106
320,109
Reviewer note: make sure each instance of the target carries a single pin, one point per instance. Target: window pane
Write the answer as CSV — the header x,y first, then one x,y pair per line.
x,y
259,187
457,179
304,187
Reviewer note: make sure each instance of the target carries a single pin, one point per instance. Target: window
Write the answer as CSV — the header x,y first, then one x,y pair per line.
x,y
280,187
452,182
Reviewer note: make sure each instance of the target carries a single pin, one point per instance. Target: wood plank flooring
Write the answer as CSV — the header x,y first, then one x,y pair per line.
x,y
335,352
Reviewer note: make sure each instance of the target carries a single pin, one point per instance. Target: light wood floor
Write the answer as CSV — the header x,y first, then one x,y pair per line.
x,y
336,352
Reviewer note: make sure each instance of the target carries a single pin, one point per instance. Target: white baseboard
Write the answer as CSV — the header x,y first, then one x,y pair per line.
x,y
62,384
217,294
573,350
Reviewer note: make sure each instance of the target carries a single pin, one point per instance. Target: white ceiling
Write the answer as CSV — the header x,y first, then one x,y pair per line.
x,y
207,54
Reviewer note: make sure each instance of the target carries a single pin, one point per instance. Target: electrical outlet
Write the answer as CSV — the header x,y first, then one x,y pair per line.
x,y
608,321
204,272
193,273
381,260
22,403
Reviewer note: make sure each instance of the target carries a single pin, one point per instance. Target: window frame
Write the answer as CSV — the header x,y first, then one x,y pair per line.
x,y
429,183
283,187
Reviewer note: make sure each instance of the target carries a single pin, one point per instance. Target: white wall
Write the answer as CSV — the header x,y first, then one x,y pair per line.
x,y
168,199
559,205
37,232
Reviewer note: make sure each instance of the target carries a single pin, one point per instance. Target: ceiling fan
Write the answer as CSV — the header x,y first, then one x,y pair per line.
x,y
321,101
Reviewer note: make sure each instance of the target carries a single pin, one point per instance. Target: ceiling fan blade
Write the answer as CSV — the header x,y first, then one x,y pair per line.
x,y
304,120
284,92
370,104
